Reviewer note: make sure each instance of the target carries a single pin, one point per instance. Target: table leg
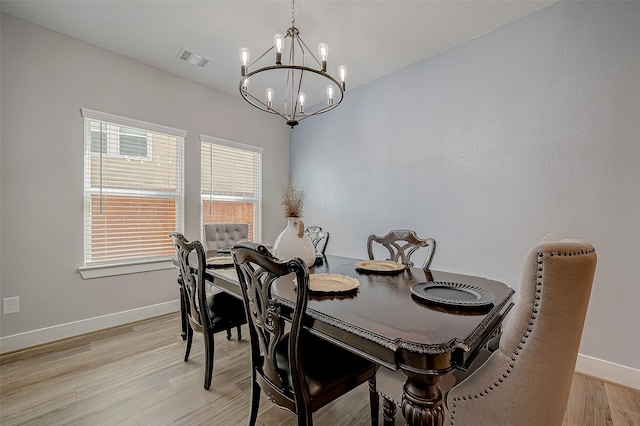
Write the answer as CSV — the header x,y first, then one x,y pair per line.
x,y
183,312
422,400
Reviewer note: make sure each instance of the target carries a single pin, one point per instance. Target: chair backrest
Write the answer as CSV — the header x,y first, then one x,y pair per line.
x,y
527,381
193,281
319,238
257,270
401,244
224,235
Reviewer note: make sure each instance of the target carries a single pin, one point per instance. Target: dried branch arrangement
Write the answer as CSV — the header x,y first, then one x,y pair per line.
x,y
293,201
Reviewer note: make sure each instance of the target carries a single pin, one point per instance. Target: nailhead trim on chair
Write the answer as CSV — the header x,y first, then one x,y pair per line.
x,y
534,312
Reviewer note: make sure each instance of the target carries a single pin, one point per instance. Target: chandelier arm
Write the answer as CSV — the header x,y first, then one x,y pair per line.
x,y
288,94
261,56
323,110
301,46
295,38
293,33
302,43
295,111
264,106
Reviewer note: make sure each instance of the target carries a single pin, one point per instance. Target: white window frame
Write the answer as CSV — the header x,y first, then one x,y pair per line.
x,y
257,214
120,267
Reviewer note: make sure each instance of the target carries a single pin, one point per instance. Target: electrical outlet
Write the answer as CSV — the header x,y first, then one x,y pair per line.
x,y
10,305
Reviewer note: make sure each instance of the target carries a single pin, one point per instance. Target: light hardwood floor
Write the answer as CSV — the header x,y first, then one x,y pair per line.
x,y
135,375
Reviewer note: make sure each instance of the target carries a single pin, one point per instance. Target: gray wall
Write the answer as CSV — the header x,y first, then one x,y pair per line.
x,y
530,129
46,78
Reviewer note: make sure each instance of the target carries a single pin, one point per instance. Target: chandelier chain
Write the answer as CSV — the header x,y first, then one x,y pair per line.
x,y
293,19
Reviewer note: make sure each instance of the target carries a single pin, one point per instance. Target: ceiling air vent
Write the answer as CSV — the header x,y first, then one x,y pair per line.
x,y
193,58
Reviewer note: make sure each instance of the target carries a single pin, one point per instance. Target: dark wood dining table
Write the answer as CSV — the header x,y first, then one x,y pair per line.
x,y
382,321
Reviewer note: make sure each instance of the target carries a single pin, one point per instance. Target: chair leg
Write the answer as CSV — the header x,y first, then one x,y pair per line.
x,y
255,400
306,419
389,412
239,333
189,341
208,363
228,333
374,401
183,309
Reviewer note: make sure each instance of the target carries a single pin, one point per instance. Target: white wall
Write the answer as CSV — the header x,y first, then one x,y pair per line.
x,y
530,129
46,78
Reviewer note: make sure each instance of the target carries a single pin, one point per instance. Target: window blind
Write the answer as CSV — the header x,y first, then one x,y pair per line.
x,y
231,184
133,188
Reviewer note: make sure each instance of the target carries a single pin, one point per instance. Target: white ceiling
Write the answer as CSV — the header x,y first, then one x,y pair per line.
x,y
373,38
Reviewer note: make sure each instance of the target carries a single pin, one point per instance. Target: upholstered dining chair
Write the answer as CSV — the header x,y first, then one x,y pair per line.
x,y
224,235
298,371
206,313
319,238
527,381
401,244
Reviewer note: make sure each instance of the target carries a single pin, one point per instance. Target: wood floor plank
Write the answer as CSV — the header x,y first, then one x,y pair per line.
x,y
623,397
6,374
135,375
35,405
588,404
625,405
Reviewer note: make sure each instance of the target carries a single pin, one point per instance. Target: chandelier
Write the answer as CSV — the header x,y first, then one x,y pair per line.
x,y
291,88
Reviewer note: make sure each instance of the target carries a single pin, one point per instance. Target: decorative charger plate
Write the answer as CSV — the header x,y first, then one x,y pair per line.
x,y
452,294
380,266
220,262
332,283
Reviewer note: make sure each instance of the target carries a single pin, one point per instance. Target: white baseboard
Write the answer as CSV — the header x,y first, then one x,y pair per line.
x,y
63,331
608,371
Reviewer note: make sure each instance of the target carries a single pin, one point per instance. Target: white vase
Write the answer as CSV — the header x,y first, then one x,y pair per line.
x,y
293,242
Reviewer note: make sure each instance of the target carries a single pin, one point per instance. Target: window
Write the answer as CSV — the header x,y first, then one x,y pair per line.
x,y
121,141
231,184
134,190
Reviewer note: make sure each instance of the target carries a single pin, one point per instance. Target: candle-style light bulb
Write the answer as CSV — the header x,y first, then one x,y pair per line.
x,y
342,72
323,52
330,91
269,93
244,60
278,44
301,98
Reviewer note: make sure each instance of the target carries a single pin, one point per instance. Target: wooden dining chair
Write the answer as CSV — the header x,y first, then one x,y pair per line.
x,y
206,313
401,244
527,381
298,371
319,238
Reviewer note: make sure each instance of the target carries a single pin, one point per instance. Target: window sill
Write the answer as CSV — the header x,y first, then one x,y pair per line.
x,y
99,271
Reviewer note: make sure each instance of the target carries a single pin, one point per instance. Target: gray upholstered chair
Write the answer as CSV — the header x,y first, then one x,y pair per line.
x,y
219,236
527,381
401,244
319,238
